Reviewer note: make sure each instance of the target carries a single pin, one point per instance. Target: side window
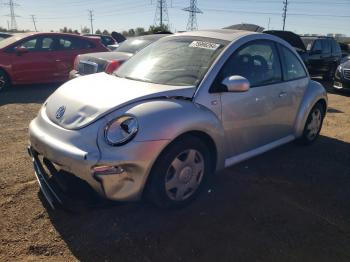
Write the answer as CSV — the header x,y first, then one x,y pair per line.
x,y
257,61
73,43
292,67
47,43
31,44
65,43
317,46
326,46
38,44
81,44
335,48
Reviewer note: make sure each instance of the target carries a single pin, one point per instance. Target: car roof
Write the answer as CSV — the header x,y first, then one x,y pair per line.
x,y
317,37
222,34
151,37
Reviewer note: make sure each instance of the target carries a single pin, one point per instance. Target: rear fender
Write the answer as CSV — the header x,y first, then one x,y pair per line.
x,y
314,93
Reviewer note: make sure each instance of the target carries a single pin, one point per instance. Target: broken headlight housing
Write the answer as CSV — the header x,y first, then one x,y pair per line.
x,y
121,130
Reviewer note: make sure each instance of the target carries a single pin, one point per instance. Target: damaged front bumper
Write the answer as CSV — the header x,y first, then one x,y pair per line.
x,y
115,173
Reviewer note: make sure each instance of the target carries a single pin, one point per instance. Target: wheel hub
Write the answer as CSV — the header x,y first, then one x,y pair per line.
x,y
315,124
186,174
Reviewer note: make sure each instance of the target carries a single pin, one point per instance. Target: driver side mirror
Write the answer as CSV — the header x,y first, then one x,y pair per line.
x,y
236,84
21,50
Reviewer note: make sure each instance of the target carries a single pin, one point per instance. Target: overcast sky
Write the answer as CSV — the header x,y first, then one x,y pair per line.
x,y
308,16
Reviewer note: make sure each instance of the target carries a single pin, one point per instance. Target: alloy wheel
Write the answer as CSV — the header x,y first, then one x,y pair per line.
x,y
314,126
184,175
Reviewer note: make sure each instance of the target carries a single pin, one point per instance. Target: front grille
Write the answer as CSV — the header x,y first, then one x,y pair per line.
x,y
87,68
347,73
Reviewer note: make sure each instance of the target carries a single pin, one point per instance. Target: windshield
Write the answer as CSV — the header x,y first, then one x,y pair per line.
x,y
133,45
8,41
308,42
173,61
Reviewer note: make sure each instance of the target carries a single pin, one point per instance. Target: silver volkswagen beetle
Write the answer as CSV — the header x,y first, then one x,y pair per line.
x,y
182,108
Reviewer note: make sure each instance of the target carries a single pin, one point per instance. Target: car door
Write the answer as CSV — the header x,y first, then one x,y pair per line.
x,y
254,118
296,81
34,64
326,56
67,50
315,57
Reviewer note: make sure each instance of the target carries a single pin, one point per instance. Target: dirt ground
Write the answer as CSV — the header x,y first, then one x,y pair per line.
x,y
290,204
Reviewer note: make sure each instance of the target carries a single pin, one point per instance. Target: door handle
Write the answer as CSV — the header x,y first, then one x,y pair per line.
x,y
282,94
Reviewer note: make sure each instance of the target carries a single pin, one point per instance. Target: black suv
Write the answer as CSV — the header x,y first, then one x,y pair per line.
x,y
324,56
321,55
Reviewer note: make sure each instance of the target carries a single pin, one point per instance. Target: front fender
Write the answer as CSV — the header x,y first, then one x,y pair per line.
x,y
167,119
314,93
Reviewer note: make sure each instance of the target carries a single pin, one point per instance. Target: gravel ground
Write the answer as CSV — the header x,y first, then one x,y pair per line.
x,y
290,204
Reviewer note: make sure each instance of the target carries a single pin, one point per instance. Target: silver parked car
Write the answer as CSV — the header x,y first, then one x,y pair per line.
x,y
180,109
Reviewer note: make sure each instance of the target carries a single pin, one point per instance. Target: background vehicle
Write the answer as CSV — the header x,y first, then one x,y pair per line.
x,y
324,56
294,40
41,57
185,106
4,35
345,49
106,40
109,61
342,76
321,55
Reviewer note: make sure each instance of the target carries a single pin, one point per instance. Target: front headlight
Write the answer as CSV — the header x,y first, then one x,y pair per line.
x,y
338,72
121,130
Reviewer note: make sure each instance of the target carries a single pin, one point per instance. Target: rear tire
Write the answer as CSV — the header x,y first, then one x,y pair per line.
x,y
4,81
179,173
313,125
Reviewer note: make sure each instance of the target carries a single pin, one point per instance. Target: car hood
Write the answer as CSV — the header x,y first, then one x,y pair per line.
x,y
83,100
290,37
107,56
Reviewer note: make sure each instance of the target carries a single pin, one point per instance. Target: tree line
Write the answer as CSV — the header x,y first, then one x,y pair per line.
x,y
138,31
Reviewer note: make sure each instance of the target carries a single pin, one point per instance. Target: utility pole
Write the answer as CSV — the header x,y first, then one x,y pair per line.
x,y
34,22
161,17
284,16
268,24
193,10
12,14
161,13
91,19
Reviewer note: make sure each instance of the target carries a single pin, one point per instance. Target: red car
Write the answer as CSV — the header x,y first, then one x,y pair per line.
x,y
42,57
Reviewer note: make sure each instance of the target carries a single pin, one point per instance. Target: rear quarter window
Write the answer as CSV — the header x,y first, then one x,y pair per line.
x,y
293,68
335,48
72,43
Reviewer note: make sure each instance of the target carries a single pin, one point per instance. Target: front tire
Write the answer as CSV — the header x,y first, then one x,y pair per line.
x,y
4,81
179,173
313,124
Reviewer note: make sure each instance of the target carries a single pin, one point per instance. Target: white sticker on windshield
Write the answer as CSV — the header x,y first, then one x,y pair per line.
x,y
205,45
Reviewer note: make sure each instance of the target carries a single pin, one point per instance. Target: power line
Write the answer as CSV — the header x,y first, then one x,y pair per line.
x,y
284,16
161,17
193,10
12,14
34,22
91,19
